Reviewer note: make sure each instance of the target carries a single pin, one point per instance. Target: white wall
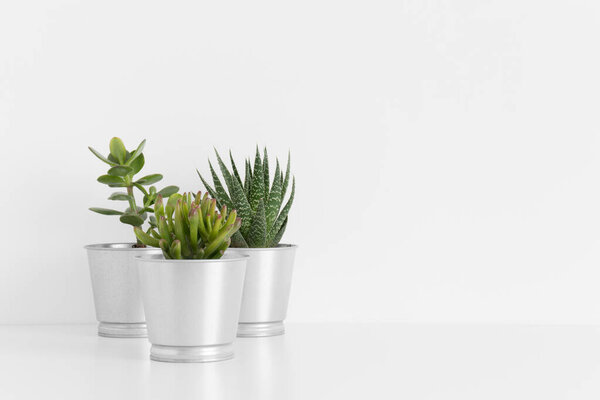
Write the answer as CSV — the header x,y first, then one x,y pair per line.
x,y
447,153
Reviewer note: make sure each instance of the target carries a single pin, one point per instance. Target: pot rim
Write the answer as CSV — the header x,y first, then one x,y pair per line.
x,y
118,246
279,247
191,261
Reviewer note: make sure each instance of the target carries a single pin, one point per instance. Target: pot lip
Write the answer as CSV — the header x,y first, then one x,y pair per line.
x,y
118,246
191,261
279,247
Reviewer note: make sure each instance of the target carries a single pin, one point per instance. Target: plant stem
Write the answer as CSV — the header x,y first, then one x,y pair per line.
x,y
134,209
132,204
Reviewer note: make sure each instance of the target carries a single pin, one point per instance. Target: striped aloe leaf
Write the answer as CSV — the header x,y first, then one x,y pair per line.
x,y
257,199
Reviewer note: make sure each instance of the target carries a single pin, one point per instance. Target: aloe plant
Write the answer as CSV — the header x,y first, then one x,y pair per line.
x,y
258,201
124,165
191,227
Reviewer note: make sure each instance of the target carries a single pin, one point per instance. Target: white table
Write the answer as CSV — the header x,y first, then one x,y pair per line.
x,y
312,361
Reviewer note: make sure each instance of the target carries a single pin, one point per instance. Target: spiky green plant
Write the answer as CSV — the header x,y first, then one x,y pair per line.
x,y
123,166
191,227
257,200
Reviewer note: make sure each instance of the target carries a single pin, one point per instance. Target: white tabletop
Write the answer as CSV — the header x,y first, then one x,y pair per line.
x,y
312,361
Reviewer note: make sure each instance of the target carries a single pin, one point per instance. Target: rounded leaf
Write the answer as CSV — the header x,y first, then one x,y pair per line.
x,y
119,196
111,180
168,191
105,211
118,150
136,153
101,157
120,170
137,164
149,179
131,219
140,211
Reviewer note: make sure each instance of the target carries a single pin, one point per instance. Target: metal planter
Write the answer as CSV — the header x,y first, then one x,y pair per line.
x,y
192,306
117,299
266,289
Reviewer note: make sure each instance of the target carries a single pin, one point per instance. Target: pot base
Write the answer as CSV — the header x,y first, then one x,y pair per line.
x,y
191,354
260,329
116,330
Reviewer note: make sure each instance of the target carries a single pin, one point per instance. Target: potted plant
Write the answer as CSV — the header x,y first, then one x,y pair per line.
x,y
191,293
269,271
117,299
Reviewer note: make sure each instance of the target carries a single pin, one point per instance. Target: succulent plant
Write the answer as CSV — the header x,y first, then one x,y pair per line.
x,y
257,200
123,166
191,227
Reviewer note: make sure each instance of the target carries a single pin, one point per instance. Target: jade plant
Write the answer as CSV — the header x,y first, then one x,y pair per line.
x,y
124,165
258,201
191,227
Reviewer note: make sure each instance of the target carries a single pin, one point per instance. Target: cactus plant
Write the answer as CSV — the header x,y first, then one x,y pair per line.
x,y
257,200
123,166
191,228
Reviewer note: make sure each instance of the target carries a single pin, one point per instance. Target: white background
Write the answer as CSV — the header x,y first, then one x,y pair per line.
x,y
446,152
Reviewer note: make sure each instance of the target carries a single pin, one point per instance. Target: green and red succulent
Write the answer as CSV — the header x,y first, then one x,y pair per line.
x,y
191,227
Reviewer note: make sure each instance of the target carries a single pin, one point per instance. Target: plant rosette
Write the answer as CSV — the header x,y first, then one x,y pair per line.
x,y
191,293
260,204
113,272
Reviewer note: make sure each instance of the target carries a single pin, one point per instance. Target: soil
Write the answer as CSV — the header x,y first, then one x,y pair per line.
x,y
139,246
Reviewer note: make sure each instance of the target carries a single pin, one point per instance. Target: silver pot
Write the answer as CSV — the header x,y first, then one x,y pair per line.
x,y
117,297
192,306
266,289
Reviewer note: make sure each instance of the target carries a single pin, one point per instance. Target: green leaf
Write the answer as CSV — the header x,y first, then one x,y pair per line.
x,y
257,190
248,178
141,211
141,188
137,164
144,237
235,170
175,250
238,197
152,232
132,219
168,191
257,236
222,195
266,175
166,248
149,179
210,190
287,177
105,211
117,149
152,221
283,215
120,170
275,198
275,241
111,180
221,239
137,152
237,240
119,196
101,157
